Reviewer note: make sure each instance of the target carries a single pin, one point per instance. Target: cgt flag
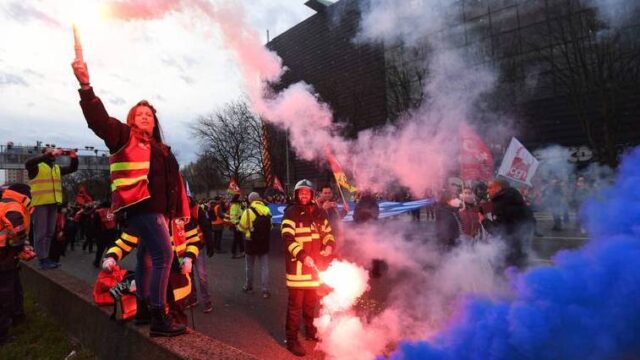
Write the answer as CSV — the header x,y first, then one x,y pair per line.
x,y
233,187
476,160
518,164
340,176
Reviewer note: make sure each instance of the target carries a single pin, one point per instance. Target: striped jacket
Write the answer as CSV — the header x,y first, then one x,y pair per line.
x,y
186,242
305,232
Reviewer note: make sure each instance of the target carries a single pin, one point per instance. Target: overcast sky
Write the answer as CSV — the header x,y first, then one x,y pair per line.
x,y
177,63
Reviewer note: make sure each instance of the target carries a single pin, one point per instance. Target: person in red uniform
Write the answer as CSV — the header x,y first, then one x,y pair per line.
x,y
147,185
309,243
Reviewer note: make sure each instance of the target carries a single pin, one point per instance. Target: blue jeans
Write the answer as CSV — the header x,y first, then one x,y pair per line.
x,y
155,255
264,271
200,272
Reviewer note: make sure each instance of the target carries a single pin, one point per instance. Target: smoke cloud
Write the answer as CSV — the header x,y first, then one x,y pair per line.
x,y
582,307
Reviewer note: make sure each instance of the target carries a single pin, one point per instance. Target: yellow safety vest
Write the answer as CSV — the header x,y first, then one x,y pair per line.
x,y
46,187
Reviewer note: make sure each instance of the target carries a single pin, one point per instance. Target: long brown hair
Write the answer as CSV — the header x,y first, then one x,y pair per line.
x,y
156,136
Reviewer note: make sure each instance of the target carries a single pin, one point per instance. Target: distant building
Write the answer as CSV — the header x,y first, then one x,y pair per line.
x,y
14,176
371,85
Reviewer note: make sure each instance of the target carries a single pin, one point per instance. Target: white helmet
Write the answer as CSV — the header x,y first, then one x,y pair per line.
x,y
303,184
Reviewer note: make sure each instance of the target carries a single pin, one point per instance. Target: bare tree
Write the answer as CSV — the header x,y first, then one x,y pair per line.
x,y
97,183
231,139
593,66
202,175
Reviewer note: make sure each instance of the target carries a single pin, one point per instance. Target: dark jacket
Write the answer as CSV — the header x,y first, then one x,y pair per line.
x,y
448,226
164,182
513,221
366,210
32,165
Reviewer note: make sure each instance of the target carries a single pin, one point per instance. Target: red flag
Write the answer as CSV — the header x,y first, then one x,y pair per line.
x,y
82,196
476,160
277,185
233,187
338,173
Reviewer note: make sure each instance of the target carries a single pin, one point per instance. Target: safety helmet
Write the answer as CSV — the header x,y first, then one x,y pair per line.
x,y
303,184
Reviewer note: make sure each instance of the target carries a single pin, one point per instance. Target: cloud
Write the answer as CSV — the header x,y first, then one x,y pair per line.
x,y
7,79
21,12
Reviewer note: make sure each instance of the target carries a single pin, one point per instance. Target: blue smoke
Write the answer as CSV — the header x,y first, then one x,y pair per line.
x,y
586,306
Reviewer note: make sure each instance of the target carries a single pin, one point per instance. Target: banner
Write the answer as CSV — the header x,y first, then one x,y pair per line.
x,y
277,185
518,164
387,209
476,159
233,187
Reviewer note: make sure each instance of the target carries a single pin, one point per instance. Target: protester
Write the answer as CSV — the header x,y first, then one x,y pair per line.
x,y
107,231
366,208
199,273
233,217
469,216
14,246
255,225
57,243
327,202
216,216
448,223
511,220
308,239
70,229
45,179
147,185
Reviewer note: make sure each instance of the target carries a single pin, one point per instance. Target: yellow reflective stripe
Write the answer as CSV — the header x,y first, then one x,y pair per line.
x,y
303,229
127,181
296,251
303,283
116,251
194,250
181,293
138,165
288,231
288,222
292,246
327,239
307,238
39,181
191,232
123,246
130,238
181,247
299,277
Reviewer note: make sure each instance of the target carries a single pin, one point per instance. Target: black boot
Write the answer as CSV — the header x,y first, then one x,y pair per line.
x,y
162,325
142,313
294,347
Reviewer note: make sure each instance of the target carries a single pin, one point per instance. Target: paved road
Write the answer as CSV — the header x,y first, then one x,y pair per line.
x,y
256,325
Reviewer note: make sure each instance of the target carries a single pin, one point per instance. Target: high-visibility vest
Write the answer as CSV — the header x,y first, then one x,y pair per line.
x,y
129,169
46,187
217,219
7,230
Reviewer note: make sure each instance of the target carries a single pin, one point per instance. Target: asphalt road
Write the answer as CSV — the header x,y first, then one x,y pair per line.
x,y
256,325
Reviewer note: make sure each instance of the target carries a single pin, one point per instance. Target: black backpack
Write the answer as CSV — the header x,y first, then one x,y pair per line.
x,y
260,235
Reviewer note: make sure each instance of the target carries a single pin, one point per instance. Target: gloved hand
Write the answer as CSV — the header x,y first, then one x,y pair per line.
x,y
308,261
108,264
186,265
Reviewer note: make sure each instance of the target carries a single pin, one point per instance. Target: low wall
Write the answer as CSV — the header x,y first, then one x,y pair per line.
x,y
70,302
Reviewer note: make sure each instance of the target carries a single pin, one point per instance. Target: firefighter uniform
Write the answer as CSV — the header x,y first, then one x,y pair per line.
x,y
14,230
186,241
305,232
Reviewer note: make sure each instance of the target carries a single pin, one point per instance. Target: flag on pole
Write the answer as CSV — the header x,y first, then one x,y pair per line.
x,y
277,185
340,176
233,187
476,159
518,164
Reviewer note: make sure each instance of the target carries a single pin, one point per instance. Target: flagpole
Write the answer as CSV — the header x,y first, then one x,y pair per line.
x,y
344,201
